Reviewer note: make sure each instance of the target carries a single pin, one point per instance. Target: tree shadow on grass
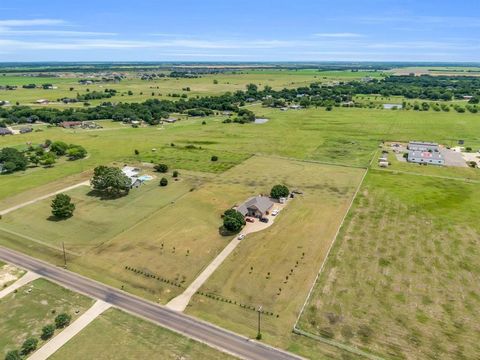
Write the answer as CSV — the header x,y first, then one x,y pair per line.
x,y
103,195
224,232
54,218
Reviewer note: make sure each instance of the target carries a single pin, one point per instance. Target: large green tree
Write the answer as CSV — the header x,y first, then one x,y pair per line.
x,y
110,180
12,160
62,206
233,221
279,191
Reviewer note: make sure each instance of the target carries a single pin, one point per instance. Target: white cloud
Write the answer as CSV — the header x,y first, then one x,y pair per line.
x,y
31,22
339,35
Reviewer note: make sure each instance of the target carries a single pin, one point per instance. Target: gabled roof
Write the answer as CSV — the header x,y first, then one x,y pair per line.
x,y
260,203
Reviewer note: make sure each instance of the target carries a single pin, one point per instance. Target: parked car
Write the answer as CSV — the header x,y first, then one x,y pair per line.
x,y
275,212
250,220
241,237
264,220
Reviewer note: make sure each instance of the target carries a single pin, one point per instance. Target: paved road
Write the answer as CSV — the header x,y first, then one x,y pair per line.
x,y
193,328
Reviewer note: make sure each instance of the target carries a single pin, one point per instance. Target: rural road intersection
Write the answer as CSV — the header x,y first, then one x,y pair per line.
x,y
206,333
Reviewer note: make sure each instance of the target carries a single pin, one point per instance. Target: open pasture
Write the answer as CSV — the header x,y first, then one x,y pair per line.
x,y
27,311
163,87
401,279
343,136
275,268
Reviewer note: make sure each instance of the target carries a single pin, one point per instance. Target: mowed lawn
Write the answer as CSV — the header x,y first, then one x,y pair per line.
x,y
118,335
402,280
95,220
25,312
276,267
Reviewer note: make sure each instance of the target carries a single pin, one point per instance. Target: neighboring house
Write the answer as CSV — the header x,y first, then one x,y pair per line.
x,y
170,120
25,130
425,153
70,124
4,102
392,106
5,131
42,101
295,107
132,173
257,206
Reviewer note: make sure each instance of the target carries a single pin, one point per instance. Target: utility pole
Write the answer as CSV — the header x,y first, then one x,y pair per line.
x,y
64,256
259,333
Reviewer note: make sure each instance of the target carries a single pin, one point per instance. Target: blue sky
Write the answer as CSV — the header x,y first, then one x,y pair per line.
x,y
213,30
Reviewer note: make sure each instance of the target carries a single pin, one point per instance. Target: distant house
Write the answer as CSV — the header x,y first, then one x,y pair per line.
x,y
26,130
70,124
295,107
425,153
467,97
170,120
42,101
5,131
132,173
392,106
250,99
4,102
257,206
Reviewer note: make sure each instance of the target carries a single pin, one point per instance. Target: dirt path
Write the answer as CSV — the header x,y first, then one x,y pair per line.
x,y
25,279
181,301
43,197
70,331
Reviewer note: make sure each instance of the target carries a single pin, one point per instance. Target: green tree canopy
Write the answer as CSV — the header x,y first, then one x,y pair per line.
x,y
62,320
163,182
162,168
29,345
12,160
47,331
110,180
76,152
13,355
233,221
62,206
59,147
279,191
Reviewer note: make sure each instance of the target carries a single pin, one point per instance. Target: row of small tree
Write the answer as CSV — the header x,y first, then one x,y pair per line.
x,y
31,343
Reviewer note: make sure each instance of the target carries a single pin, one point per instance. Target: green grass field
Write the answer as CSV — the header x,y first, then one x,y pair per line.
x,y
142,90
25,312
401,279
285,256
117,335
342,136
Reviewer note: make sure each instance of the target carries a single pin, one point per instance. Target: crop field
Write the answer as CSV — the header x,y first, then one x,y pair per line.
x,y
161,88
275,267
25,312
401,279
117,335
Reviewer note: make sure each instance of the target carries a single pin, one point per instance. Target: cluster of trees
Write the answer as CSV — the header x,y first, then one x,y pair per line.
x,y
45,154
12,160
110,181
95,95
31,343
324,95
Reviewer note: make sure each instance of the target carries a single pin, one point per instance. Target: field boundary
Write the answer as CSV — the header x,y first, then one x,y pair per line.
x,y
339,345
299,331
364,167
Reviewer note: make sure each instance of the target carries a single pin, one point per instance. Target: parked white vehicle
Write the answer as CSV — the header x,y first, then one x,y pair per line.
x,y
241,237
275,212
